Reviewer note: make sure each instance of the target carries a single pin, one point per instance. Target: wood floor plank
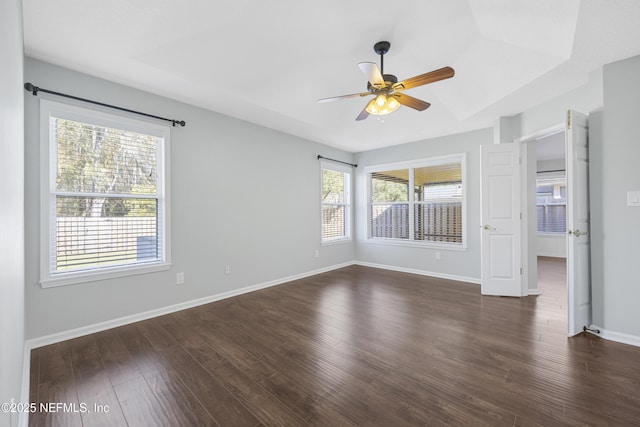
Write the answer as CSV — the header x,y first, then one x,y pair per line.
x,y
93,385
118,363
186,408
141,407
34,380
354,346
57,389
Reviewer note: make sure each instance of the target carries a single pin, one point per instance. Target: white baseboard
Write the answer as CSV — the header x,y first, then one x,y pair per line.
x,y
534,292
121,321
420,272
551,254
616,336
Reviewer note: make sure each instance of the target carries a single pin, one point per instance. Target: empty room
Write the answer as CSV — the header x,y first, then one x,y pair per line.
x,y
335,214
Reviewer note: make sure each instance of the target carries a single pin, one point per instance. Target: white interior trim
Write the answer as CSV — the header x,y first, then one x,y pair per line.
x,y
474,280
616,336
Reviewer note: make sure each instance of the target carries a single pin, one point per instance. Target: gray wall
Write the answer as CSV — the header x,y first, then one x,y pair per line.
x,y
463,264
241,194
11,206
615,154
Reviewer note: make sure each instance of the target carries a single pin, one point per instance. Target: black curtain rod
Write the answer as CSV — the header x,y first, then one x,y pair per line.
x,y
35,89
355,165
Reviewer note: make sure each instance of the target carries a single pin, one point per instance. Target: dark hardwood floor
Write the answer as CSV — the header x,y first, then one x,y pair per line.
x,y
353,347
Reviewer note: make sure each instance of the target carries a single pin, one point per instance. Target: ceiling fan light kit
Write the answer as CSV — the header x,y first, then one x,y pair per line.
x,y
382,104
386,88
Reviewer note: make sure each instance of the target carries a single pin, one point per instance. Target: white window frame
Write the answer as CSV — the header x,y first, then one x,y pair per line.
x,y
48,167
414,164
347,171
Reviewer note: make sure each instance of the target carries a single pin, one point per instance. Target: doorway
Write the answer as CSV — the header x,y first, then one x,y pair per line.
x,y
554,202
550,232
544,192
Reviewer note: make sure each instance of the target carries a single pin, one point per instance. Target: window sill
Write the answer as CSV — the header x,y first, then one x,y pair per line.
x,y
74,278
333,242
417,244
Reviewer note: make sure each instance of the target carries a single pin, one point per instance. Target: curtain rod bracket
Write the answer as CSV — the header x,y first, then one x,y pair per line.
x,y
35,89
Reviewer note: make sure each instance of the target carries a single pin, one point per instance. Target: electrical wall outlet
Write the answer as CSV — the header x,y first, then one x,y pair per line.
x,y
438,256
227,269
317,253
180,278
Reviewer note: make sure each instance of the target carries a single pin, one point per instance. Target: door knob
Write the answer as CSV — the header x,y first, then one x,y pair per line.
x,y
487,227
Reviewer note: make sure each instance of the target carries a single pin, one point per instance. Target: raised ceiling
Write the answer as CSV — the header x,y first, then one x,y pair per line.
x,y
268,62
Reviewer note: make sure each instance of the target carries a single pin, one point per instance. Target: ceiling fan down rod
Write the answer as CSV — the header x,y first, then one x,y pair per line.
x,y
381,48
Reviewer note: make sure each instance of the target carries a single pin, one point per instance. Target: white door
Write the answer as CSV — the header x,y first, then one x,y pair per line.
x,y
500,220
578,240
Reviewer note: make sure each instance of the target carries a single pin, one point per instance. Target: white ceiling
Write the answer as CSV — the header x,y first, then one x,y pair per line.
x,y
268,62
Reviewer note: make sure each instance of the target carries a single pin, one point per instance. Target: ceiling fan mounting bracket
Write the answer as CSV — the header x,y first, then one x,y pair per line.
x,y
381,47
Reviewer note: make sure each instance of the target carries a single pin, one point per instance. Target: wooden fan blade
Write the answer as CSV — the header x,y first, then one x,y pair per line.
x,y
363,114
423,79
372,73
411,102
338,98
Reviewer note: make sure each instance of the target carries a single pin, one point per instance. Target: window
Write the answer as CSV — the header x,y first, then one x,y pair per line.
x,y
420,202
336,210
551,205
104,195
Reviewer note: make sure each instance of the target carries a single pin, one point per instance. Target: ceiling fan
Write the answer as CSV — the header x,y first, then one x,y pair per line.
x,y
387,89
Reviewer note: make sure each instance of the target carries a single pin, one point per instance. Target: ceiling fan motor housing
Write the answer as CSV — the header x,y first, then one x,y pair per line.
x,y
389,80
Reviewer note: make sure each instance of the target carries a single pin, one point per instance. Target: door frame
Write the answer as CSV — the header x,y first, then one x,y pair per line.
x,y
526,217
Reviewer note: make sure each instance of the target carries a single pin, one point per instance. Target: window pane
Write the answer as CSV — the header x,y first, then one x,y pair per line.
x,y
101,232
390,221
438,222
450,173
390,186
335,204
551,200
333,222
332,186
438,215
95,159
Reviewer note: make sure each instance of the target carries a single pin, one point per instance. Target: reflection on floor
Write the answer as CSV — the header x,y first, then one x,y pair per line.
x,y
552,283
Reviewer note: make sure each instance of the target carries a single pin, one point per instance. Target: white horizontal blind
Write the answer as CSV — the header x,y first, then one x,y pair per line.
x,y
105,201
335,204
551,205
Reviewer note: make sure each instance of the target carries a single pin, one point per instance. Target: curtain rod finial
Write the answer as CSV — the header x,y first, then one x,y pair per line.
x,y
31,88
